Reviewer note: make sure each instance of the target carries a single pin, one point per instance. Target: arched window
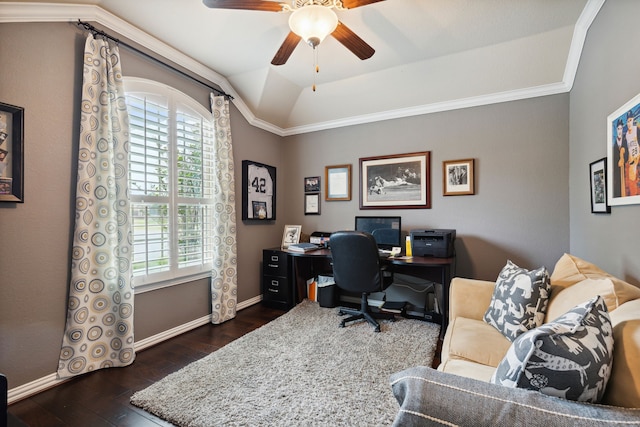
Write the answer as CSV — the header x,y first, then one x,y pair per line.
x,y
171,164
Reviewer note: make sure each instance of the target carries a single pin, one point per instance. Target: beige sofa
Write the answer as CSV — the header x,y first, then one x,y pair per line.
x,y
472,349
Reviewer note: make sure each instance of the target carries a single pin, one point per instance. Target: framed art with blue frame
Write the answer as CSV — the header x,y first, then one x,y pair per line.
x,y
623,154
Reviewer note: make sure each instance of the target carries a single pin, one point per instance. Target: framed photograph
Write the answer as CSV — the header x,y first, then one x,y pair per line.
x,y
291,235
338,182
312,204
598,180
400,181
312,184
458,177
623,154
258,191
11,153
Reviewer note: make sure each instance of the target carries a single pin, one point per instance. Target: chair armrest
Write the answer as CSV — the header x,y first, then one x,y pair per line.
x,y
469,298
429,397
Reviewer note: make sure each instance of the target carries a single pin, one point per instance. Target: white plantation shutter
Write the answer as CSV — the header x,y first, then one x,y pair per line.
x,y
171,168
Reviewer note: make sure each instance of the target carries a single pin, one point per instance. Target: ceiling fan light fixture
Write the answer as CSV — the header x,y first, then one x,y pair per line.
x,y
313,23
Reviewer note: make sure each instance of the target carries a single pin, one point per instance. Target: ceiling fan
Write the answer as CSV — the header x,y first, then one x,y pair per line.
x,y
310,20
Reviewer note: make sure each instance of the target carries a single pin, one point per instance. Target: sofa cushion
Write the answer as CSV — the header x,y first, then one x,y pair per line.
x,y
570,270
569,357
474,340
467,369
430,397
624,384
519,300
582,291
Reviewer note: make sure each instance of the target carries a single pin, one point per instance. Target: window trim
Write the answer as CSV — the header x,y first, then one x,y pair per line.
x,y
145,283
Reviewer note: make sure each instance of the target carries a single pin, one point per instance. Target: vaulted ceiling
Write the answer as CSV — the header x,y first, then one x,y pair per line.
x,y
430,55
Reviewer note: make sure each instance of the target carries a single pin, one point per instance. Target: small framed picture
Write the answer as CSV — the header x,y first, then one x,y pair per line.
x,y
291,235
598,180
312,184
458,177
11,153
312,204
337,180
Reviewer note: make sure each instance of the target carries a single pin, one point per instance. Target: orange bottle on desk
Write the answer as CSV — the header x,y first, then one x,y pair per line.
x,y
408,247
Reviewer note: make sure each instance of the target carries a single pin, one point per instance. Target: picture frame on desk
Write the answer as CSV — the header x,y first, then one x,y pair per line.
x,y
399,181
11,153
258,191
291,235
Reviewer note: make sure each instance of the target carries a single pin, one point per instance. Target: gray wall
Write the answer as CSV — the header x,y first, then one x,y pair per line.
x,y
42,72
520,210
607,78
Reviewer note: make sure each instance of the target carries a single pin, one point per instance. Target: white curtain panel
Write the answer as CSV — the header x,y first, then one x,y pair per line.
x,y
224,277
99,328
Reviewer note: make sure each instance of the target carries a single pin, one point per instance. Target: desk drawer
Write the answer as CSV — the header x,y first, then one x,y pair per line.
x,y
276,288
274,263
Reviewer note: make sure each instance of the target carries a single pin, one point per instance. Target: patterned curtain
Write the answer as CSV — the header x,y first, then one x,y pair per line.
x,y
224,277
99,328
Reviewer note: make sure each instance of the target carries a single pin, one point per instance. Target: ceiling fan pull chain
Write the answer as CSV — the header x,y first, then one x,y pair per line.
x,y
315,66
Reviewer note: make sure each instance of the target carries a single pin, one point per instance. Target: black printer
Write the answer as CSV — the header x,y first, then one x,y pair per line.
x,y
436,243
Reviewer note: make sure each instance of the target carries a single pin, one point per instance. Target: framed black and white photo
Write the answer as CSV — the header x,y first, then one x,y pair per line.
x,y
400,181
312,204
598,185
11,153
291,235
258,191
458,177
338,182
312,184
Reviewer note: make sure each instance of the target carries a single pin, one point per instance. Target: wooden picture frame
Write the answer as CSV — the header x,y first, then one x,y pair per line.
x,y
290,235
11,153
399,181
258,191
598,186
337,181
458,177
312,204
623,138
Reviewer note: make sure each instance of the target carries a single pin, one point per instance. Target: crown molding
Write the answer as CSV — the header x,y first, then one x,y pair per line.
x,y
48,12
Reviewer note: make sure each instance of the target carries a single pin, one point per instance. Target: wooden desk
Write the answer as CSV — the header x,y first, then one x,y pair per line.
x,y
438,270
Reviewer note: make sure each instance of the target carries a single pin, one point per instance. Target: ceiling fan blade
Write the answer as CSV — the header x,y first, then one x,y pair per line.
x,y
351,41
268,6
350,4
286,49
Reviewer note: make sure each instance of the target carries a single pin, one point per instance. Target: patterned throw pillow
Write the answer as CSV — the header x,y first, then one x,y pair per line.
x,y
519,300
569,357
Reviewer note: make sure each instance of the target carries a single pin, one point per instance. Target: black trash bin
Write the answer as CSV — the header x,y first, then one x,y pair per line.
x,y
327,291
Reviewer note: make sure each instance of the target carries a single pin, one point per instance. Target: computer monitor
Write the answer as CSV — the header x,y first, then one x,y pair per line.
x,y
386,230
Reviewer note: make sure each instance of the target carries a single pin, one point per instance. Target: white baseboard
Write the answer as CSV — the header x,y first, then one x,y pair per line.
x,y
41,384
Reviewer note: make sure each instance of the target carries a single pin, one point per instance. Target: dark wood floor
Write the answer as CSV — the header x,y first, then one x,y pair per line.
x,y
102,398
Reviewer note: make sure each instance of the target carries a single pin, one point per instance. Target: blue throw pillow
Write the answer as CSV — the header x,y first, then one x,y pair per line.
x,y
519,301
570,357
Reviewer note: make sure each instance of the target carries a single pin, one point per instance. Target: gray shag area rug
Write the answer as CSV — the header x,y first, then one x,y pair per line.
x,y
301,369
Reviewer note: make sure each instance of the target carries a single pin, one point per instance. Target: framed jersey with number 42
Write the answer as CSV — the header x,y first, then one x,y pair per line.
x,y
258,191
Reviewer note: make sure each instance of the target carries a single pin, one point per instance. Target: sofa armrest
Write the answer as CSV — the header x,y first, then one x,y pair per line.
x,y
469,298
430,397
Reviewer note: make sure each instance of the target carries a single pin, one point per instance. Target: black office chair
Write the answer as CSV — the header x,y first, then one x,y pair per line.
x,y
356,268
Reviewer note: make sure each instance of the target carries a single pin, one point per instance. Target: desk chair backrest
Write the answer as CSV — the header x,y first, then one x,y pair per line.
x,y
356,263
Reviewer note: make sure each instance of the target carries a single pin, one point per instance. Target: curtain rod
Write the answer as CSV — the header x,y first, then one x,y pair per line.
x,y
101,33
